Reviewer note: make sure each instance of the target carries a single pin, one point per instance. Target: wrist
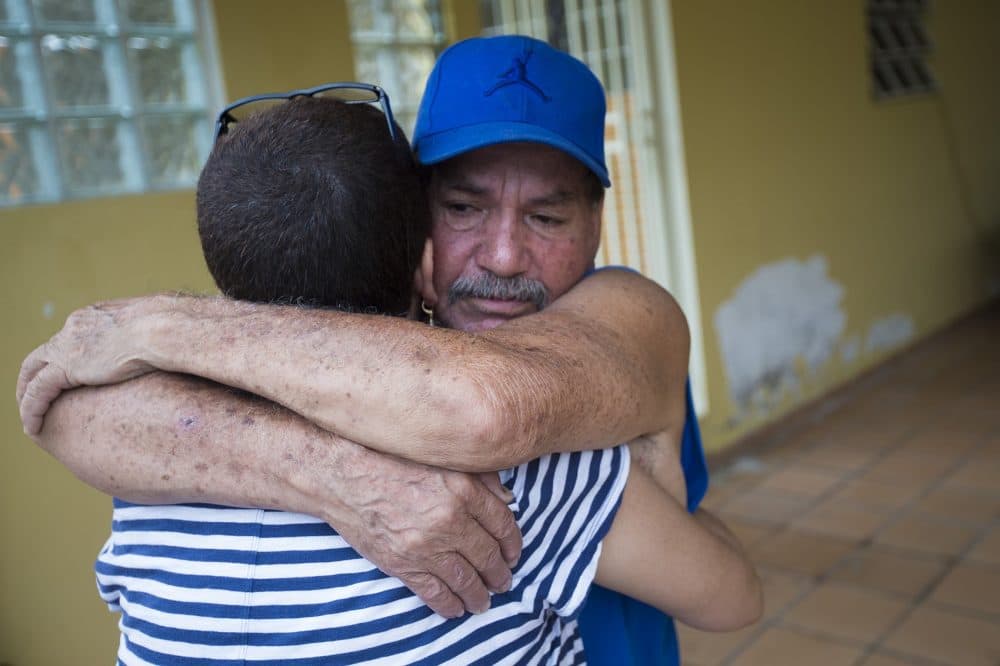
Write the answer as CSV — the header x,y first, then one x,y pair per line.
x,y
154,336
322,478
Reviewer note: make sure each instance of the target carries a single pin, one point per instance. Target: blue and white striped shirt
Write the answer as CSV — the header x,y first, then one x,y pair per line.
x,y
203,584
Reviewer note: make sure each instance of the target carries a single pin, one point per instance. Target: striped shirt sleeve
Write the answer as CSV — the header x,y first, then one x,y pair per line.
x,y
565,504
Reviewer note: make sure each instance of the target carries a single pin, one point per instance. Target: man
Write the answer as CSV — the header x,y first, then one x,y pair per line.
x,y
604,362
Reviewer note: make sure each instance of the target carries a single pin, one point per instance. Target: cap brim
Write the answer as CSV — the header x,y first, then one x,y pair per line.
x,y
435,148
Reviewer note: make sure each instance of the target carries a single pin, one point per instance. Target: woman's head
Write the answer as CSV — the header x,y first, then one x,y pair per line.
x,y
312,202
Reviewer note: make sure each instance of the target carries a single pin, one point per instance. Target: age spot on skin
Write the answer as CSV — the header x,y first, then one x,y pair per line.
x,y
188,423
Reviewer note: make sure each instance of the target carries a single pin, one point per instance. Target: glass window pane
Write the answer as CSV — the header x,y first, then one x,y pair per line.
x,y
65,11
392,19
90,154
75,66
415,64
11,67
366,68
401,70
362,15
150,12
18,170
413,19
172,153
158,63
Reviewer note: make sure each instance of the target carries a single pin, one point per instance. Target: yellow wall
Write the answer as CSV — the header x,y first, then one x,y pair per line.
x,y
56,258
789,157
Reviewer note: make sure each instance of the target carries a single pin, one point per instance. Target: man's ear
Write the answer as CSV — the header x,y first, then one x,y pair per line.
x,y
423,275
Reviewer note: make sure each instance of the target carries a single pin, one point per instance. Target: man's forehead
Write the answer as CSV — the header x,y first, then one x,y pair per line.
x,y
547,171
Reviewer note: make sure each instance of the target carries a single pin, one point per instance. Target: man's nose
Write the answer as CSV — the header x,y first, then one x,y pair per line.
x,y
504,249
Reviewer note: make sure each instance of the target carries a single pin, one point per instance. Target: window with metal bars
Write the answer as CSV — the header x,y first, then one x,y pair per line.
x,y
899,48
395,45
100,97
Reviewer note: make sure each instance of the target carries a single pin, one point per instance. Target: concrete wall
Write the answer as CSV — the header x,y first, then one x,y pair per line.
x,y
830,229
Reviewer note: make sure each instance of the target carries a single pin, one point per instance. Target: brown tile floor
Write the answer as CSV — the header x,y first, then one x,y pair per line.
x,y
876,528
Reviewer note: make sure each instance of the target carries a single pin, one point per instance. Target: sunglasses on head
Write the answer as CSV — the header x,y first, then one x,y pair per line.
x,y
348,92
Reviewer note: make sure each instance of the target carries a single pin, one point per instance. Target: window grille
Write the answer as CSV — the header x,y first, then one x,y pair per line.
x,y
395,45
899,48
100,97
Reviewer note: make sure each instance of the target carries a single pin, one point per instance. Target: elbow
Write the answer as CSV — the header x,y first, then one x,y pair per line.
x,y
751,608
732,614
487,436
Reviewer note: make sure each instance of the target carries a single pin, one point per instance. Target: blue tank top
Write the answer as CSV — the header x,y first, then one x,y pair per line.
x,y
618,630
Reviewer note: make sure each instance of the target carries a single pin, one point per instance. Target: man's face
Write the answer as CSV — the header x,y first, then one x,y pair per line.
x,y
514,228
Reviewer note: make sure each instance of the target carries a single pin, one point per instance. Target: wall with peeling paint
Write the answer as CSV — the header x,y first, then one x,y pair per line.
x,y
830,230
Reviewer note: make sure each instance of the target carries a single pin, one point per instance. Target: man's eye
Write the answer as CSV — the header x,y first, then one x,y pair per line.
x,y
547,220
460,208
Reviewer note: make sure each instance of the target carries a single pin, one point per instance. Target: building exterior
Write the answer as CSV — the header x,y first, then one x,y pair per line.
x,y
810,223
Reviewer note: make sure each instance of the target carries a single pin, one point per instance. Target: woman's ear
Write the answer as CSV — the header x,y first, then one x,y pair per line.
x,y
423,275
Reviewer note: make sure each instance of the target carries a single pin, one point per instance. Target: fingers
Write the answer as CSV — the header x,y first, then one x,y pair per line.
x,y
40,392
492,481
496,519
463,580
483,553
438,596
29,368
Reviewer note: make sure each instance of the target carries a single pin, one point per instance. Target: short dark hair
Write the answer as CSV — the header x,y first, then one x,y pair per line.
x,y
312,202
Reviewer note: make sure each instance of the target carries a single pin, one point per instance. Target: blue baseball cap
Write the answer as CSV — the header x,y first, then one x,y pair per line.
x,y
489,90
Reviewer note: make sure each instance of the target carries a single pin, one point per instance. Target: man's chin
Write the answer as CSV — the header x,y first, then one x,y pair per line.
x,y
485,324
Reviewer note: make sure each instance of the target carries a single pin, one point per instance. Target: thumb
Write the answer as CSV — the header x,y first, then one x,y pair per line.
x,y
492,481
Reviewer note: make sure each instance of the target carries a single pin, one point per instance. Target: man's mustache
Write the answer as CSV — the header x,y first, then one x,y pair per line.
x,y
494,287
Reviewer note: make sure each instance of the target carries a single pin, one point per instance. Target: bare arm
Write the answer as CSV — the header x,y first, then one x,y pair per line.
x,y
167,439
690,568
603,364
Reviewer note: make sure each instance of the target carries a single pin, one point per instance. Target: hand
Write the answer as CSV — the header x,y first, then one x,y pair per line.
x,y
93,348
449,536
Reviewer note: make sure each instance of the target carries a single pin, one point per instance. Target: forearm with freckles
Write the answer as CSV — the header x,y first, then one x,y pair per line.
x,y
447,535
603,364
168,439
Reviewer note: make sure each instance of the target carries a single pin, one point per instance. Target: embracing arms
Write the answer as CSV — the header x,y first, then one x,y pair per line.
x,y
601,365
168,438
688,566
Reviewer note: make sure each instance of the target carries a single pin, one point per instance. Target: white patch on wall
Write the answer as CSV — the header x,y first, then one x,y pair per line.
x,y
850,349
785,314
889,332
48,309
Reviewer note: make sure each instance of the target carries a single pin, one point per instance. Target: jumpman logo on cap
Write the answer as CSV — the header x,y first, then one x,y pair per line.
x,y
517,74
